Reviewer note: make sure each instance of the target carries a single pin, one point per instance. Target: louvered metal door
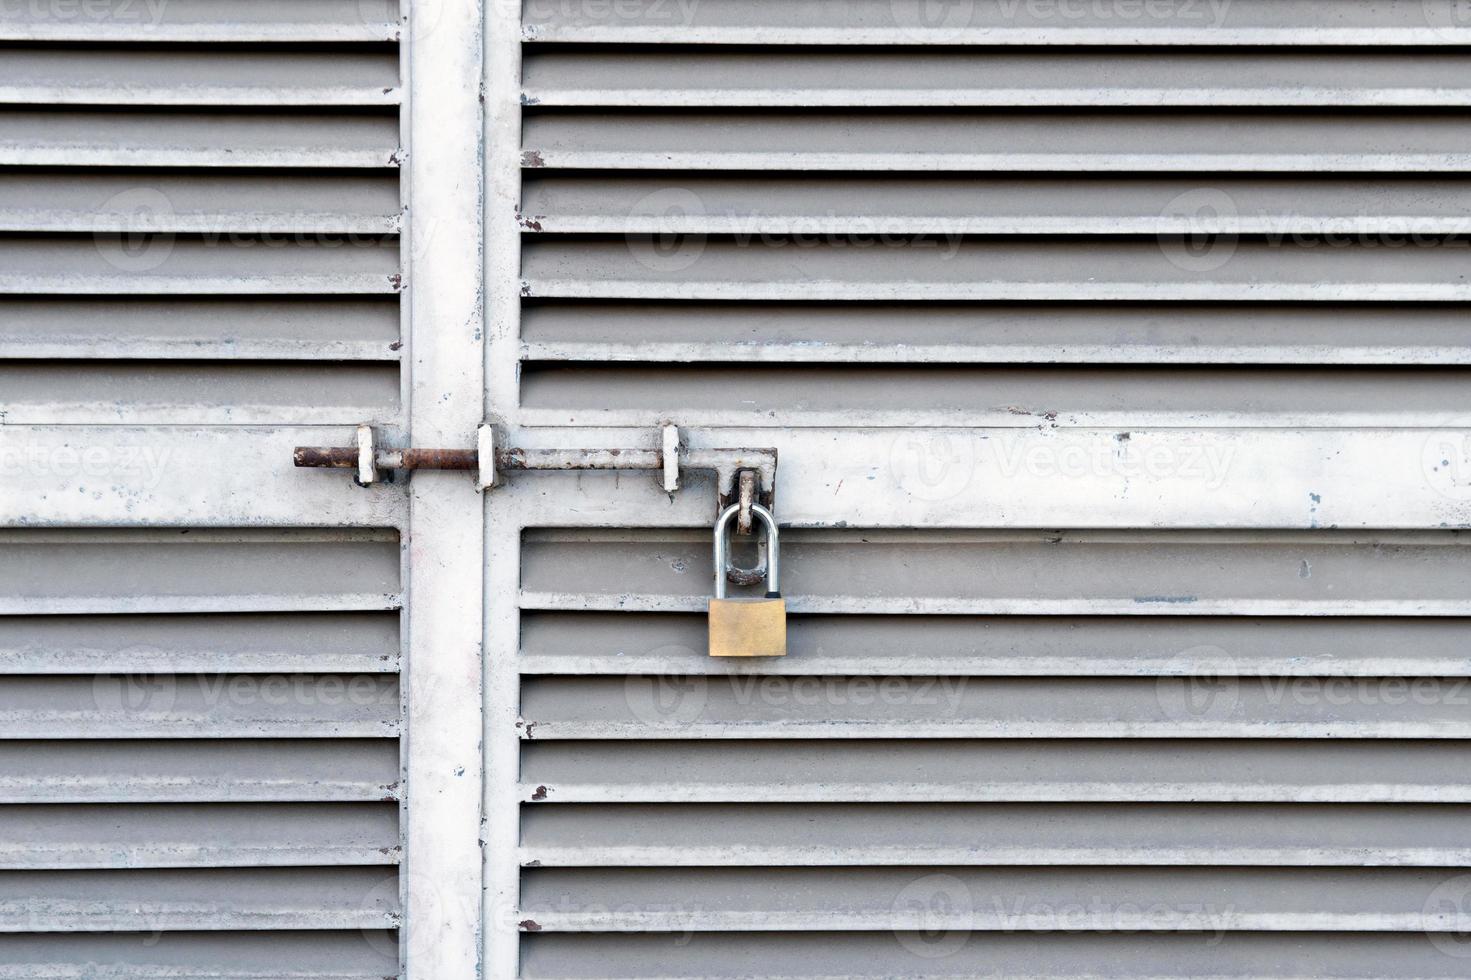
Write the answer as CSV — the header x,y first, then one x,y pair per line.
x,y
1115,356
211,660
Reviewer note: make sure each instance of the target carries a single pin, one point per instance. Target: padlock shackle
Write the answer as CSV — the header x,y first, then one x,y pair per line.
x,y
773,549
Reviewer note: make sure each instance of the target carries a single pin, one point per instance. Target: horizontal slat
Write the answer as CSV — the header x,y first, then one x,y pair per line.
x,y
1422,334
143,570
80,138
916,77
203,20
1097,140
200,706
761,835
82,76
215,899
1118,397
221,771
889,22
619,644
228,207
1004,900
186,475
205,393
872,771
929,268
961,954
174,836
1142,573
318,955
143,328
892,706
360,643
880,210
125,265
1039,476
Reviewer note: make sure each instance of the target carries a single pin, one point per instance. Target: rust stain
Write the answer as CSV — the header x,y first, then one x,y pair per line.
x,y
529,925
540,793
335,458
440,459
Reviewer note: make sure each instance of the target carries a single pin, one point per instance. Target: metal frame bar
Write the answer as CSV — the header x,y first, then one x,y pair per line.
x,y
445,562
502,283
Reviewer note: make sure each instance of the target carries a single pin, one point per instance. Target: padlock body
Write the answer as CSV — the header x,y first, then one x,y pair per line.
x,y
748,627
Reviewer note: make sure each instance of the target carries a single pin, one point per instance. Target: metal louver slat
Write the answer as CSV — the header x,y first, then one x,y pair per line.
x,y
994,22
208,21
107,201
202,771
913,76
1006,956
157,77
194,836
1062,140
366,954
988,834
998,771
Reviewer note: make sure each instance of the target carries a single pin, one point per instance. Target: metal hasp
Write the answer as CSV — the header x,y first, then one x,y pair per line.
x,y
490,462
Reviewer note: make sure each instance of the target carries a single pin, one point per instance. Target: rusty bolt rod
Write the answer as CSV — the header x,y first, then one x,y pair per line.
x,y
725,462
389,459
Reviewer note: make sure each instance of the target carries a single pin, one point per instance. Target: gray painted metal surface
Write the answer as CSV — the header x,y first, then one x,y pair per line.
x,y
1179,283
959,264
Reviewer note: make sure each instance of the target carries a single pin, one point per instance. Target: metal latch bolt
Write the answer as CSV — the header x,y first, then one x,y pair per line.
x,y
489,462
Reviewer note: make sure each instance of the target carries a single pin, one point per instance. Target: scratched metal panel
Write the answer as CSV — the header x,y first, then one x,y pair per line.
x,y
235,205
201,745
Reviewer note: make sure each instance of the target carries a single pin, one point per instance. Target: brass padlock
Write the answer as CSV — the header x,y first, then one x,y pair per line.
x,y
748,627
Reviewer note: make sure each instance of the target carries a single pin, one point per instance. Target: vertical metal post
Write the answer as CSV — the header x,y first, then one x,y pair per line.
x,y
502,138
444,555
